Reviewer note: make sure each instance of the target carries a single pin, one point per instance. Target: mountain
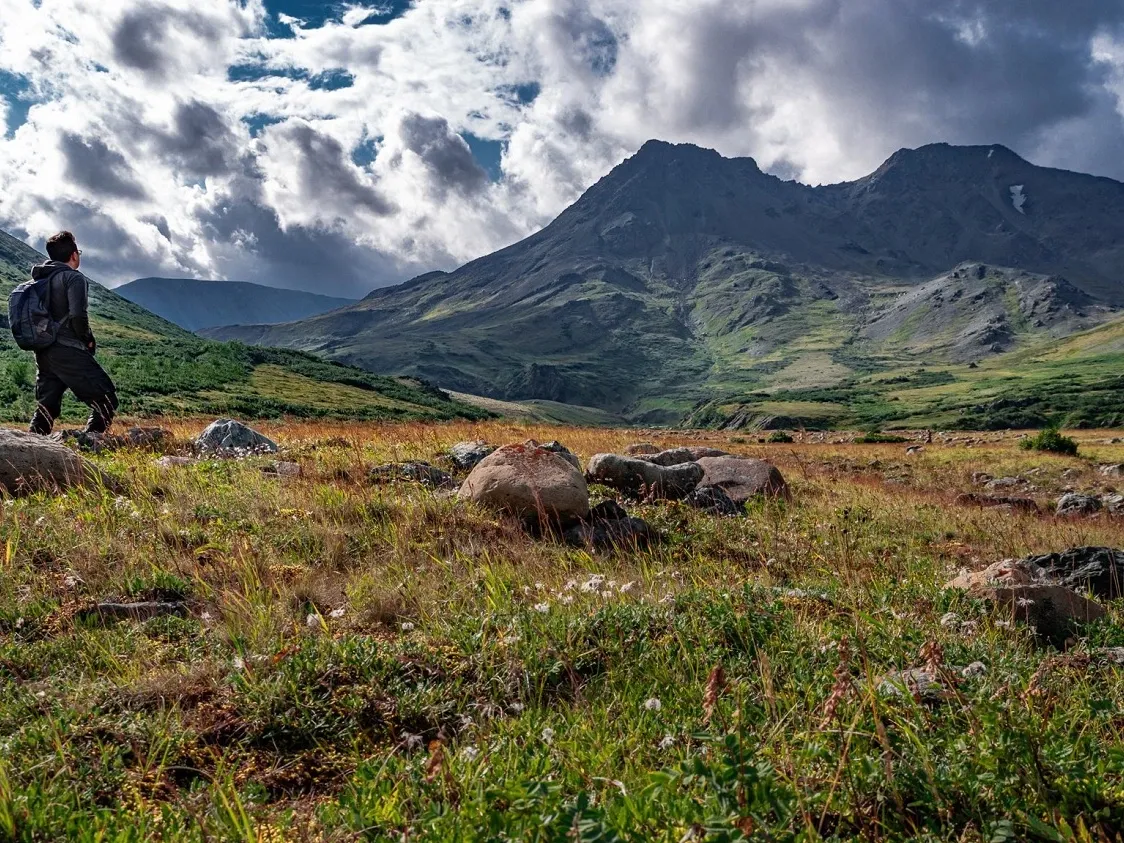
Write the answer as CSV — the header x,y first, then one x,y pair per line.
x,y
682,278
194,304
160,368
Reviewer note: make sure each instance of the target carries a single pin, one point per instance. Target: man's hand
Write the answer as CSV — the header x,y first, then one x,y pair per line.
x,y
93,346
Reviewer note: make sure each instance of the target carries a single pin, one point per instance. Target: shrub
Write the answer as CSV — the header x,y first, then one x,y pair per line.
x,y
1050,440
779,436
879,439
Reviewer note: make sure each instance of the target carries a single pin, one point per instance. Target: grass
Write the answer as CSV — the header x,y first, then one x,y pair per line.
x,y
382,663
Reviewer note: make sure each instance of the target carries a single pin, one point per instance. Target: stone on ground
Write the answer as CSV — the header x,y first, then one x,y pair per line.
x,y
638,478
32,463
413,472
528,481
465,456
228,435
610,527
672,456
1077,504
640,448
713,500
564,452
742,478
1096,569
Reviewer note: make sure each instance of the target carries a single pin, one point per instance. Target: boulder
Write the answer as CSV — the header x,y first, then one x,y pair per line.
x,y
610,527
639,478
700,452
1022,590
227,435
32,463
1115,470
413,472
465,456
742,478
1076,504
1096,569
641,448
529,482
713,500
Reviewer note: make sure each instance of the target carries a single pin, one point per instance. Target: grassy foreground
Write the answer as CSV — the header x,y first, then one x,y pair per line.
x,y
383,663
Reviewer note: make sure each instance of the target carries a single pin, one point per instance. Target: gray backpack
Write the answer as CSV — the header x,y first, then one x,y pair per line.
x,y
29,315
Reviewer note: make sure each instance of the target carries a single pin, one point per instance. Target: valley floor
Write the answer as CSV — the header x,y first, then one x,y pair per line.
x,y
385,663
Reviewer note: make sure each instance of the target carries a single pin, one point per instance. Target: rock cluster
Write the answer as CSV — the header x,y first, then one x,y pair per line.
x,y
676,473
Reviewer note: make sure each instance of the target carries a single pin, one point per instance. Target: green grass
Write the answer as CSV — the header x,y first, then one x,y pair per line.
x,y
381,663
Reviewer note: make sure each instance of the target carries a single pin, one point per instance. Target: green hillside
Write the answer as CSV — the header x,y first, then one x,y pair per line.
x,y
162,369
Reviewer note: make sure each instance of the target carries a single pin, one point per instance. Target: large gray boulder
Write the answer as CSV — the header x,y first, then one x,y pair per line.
x,y
529,482
742,478
672,456
1074,504
233,436
31,463
638,478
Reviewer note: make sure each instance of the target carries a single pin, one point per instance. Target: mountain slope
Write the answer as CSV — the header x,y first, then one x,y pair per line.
x,y
194,304
682,275
161,368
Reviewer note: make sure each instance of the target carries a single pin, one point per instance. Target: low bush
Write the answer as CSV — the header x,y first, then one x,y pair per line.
x,y
1052,440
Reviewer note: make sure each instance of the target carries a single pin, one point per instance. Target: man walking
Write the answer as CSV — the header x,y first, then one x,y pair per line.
x,y
69,362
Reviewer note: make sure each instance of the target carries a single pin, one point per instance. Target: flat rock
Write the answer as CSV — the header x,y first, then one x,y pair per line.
x,y
465,456
639,478
411,472
529,482
31,463
992,501
230,436
742,478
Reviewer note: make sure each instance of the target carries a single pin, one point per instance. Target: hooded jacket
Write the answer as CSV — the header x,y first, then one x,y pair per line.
x,y
68,296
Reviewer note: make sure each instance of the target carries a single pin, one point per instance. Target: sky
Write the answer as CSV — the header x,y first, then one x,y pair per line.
x,y
339,147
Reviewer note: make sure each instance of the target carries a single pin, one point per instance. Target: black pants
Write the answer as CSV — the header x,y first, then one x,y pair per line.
x,y
63,367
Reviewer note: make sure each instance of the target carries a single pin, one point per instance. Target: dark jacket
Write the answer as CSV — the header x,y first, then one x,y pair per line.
x,y
69,296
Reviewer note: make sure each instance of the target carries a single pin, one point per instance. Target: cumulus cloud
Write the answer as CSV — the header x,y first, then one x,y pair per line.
x,y
232,138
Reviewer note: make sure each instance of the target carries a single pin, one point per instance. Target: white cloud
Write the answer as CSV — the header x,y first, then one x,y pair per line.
x,y
345,165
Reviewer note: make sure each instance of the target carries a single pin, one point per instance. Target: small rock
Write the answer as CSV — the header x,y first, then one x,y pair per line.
x,y
980,477
974,671
283,469
914,449
990,501
1003,483
641,448
1115,470
413,472
1077,504
639,478
229,436
917,682
465,456
132,611
713,500
609,531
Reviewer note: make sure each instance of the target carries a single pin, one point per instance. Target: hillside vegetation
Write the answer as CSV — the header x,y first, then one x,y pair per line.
x,y
362,662
160,368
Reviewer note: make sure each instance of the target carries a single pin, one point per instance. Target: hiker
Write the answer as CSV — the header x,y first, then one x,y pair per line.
x,y
64,345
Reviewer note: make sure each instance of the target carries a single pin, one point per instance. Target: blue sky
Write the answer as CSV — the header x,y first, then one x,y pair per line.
x,y
340,147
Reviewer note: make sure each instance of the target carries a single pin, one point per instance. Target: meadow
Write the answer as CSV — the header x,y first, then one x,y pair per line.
x,y
382,662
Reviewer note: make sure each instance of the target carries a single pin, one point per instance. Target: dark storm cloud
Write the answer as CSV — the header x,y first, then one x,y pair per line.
x,y
444,152
200,142
103,171
255,248
326,171
138,40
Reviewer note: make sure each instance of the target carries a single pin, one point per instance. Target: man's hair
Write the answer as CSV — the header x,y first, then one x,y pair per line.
x,y
61,246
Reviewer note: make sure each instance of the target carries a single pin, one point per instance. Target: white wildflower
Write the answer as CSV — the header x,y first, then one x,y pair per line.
x,y
407,626
238,663
40,521
1023,602
566,599
122,502
542,608
337,613
313,620
70,581
412,741
19,623
205,617
509,639
969,627
539,586
667,743
470,753
951,620
516,707
626,587
547,735
1003,624
668,598
570,585
652,704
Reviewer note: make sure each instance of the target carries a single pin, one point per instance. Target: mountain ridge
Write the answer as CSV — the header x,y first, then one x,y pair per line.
x,y
682,274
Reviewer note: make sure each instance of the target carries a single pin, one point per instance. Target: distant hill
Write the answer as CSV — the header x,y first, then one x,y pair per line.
x,y
160,368
684,284
194,304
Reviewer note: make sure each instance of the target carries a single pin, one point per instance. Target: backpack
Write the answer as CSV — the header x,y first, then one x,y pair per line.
x,y
29,316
